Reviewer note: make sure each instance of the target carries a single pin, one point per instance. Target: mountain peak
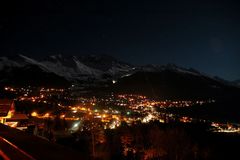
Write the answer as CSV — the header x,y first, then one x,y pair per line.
x,y
57,56
236,82
99,67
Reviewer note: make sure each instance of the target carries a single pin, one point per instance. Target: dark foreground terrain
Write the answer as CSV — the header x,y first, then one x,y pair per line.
x,y
156,141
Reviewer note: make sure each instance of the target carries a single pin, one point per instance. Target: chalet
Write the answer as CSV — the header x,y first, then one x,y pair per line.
x,y
7,109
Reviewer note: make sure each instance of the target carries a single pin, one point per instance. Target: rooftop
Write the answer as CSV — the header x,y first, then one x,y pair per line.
x,y
5,106
36,147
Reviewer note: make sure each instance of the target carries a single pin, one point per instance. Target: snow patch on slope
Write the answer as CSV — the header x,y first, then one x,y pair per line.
x,y
85,69
5,62
34,62
59,69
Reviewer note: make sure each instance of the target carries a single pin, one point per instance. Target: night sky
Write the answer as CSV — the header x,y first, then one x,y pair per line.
x,y
204,35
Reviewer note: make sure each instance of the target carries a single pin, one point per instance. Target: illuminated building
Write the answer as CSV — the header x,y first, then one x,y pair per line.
x,y
7,109
18,121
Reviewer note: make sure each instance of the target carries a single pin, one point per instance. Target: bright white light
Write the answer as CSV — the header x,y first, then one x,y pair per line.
x,y
113,81
75,126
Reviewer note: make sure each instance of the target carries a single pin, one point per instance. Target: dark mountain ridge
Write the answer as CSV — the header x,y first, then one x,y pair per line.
x,y
99,71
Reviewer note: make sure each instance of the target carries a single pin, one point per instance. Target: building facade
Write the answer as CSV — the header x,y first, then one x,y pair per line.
x,y
7,109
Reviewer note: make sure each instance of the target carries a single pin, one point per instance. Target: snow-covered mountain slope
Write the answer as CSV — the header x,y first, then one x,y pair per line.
x,y
170,67
91,69
97,71
73,68
77,71
6,62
